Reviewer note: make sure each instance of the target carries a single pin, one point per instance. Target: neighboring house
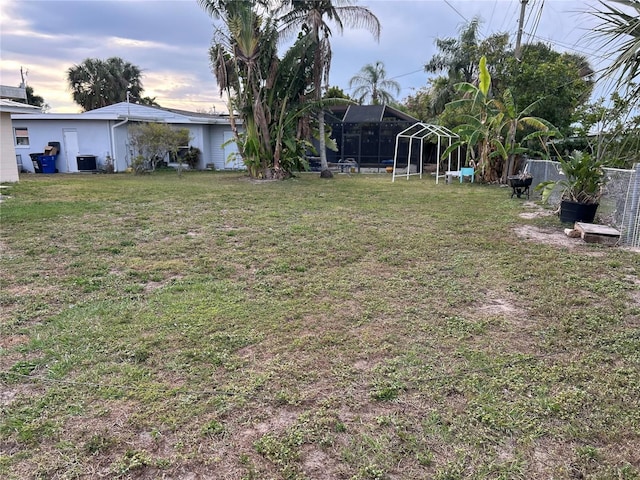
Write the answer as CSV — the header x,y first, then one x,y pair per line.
x,y
9,159
367,134
99,135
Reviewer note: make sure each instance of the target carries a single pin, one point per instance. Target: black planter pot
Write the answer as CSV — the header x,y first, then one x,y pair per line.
x,y
571,212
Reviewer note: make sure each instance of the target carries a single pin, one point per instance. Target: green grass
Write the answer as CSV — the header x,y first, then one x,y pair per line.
x,y
306,329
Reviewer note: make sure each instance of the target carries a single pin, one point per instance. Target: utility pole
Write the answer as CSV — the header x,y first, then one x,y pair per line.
x,y
523,6
23,74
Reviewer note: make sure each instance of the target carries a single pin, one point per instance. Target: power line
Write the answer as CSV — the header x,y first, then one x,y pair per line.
x,y
570,47
406,74
493,10
456,10
537,20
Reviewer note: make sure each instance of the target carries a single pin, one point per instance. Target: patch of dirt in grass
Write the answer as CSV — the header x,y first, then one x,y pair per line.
x,y
8,394
549,459
635,295
548,236
555,459
13,340
499,306
513,327
318,465
151,285
365,364
535,211
277,421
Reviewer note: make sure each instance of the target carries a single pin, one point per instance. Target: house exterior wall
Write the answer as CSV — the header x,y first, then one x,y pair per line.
x,y
216,152
222,151
93,139
102,138
201,138
8,164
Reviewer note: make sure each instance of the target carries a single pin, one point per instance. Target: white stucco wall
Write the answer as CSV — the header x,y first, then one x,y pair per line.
x,y
93,139
102,138
8,164
219,152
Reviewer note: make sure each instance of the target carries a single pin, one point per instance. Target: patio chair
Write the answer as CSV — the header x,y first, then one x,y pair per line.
x,y
467,172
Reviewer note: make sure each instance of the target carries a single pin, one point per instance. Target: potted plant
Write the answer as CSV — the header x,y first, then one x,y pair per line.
x,y
581,189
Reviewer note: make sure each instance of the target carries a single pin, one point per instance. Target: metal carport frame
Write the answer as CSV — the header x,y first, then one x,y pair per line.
x,y
421,131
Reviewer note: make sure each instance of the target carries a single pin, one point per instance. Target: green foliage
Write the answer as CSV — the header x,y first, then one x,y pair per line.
x,y
96,83
420,106
619,28
155,143
33,99
458,58
336,92
191,157
245,53
130,461
609,131
489,126
557,83
584,179
276,97
371,84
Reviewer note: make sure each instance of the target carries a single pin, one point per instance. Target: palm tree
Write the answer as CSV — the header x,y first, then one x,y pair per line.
x,y
310,15
97,83
621,29
244,58
457,61
265,91
372,83
458,56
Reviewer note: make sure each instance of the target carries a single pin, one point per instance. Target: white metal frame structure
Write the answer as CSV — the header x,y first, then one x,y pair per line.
x,y
421,131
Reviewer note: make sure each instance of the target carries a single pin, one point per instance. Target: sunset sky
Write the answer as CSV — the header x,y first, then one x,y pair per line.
x,y
169,41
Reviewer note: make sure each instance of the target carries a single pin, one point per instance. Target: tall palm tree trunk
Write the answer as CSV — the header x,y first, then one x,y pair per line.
x,y
322,143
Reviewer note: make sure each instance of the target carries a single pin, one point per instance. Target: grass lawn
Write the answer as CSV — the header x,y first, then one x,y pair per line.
x,y
210,327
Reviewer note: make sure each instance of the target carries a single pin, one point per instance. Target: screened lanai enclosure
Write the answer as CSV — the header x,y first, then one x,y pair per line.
x,y
366,135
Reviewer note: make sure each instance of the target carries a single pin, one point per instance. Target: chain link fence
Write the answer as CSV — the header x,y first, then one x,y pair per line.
x,y
619,205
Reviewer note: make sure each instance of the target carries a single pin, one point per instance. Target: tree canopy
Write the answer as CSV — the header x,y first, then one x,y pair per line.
x,y
33,99
277,97
96,83
488,127
371,84
558,83
315,18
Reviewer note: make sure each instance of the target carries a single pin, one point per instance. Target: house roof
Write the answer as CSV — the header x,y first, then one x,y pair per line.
x,y
13,92
11,106
133,111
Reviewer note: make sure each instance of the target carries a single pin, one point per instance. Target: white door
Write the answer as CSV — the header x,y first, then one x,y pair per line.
x,y
71,149
229,148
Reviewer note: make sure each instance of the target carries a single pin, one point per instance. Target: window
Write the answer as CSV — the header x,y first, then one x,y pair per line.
x,y
22,137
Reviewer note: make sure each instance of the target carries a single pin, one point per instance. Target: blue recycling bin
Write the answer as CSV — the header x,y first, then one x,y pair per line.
x,y
48,163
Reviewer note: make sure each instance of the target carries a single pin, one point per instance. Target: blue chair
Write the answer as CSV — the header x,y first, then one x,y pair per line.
x,y
467,172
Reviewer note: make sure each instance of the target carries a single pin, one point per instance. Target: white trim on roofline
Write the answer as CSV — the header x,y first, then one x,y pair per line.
x,y
133,112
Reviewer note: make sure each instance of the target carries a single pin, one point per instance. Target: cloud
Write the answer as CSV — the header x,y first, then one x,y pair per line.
x,y
169,40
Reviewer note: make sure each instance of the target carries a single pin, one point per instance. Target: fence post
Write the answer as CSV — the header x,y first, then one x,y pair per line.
x,y
631,215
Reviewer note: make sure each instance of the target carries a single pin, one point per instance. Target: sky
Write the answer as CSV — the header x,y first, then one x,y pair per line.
x,y
169,41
